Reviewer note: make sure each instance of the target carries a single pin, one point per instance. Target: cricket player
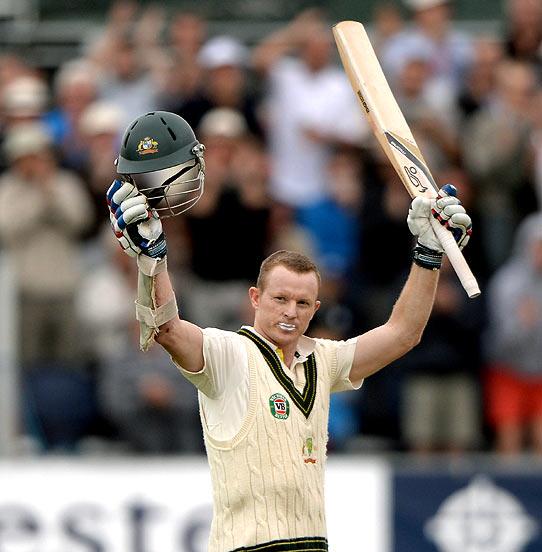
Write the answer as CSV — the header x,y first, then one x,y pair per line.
x,y
264,391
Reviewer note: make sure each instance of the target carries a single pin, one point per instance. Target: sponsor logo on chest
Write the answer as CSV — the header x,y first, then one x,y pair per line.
x,y
279,406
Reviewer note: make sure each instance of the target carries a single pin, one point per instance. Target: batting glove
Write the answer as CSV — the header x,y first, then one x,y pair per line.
x,y
136,226
447,209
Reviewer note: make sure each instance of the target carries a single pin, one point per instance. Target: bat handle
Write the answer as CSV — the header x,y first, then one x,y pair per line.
x,y
462,269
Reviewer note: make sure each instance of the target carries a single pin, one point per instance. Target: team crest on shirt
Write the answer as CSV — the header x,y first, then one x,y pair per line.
x,y
308,451
279,406
147,145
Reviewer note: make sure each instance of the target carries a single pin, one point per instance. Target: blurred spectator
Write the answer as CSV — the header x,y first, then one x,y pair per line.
x,y
151,408
43,211
11,67
310,108
233,209
24,100
440,401
384,201
59,406
432,117
514,346
224,61
536,145
497,156
100,128
374,286
523,28
387,23
148,34
286,233
187,33
479,84
75,89
183,81
333,222
154,410
142,26
120,21
127,83
448,50
103,304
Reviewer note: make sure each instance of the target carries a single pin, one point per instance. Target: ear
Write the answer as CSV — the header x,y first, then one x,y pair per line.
x,y
254,295
316,307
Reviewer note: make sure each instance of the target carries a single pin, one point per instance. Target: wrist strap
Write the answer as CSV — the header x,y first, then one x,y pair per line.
x,y
426,258
154,318
150,316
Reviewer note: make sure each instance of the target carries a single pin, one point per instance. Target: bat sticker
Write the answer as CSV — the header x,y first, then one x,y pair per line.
x,y
411,171
363,102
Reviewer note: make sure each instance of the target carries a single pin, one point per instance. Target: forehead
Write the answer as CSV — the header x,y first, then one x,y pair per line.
x,y
281,278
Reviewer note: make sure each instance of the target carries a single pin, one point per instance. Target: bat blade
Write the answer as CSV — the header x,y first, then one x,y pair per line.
x,y
392,131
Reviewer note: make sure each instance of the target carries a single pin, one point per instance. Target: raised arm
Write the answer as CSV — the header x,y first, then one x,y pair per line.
x,y
285,40
139,232
403,330
180,338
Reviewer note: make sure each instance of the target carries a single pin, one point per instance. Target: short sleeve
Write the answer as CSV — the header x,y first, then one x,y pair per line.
x,y
223,355
340,381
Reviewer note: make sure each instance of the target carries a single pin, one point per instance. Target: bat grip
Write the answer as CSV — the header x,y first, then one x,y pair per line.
x,y
462,269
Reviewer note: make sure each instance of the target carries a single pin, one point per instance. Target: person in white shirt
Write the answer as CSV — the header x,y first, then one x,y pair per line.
x,y
310,108
264,391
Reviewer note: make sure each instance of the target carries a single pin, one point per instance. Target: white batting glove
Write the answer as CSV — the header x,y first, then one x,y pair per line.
x,y
136,226
447,209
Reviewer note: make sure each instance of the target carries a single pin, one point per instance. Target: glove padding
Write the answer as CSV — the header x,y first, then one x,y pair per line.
x,y
447,209
136,226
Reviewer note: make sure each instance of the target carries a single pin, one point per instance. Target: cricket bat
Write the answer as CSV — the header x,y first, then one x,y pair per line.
x,y
392,131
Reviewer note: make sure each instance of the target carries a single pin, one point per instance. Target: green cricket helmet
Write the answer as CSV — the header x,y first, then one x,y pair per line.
x,y
160,154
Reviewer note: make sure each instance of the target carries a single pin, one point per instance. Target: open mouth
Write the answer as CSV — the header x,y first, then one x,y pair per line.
x,y
286,327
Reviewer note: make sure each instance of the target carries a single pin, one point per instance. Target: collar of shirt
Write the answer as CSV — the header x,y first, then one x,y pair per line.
x,y
305,346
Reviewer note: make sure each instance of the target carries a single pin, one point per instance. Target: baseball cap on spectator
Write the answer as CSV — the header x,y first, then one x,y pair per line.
x,y
424,4
25,97
26,139
221,51
223,121
101,118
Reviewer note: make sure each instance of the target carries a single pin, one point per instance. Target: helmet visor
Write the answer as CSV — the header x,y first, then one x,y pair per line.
x,y
174,190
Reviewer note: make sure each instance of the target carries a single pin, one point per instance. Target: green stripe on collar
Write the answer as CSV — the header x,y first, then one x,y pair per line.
x,y
305,400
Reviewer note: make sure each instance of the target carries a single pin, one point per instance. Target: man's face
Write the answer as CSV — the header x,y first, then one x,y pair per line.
x,y
35,167
285,305
317,49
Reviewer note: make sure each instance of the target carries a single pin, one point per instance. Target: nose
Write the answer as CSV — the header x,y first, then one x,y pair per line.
x,y
290,309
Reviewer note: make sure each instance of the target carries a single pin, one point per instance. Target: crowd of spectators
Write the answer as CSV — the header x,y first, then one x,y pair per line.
x,y
290,164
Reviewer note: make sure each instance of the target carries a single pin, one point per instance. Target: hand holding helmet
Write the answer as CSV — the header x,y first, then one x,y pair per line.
x,y
137,227
162,173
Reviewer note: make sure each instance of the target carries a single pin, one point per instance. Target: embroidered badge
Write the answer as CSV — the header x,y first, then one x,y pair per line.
x,y
147,145
308,449
279,406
